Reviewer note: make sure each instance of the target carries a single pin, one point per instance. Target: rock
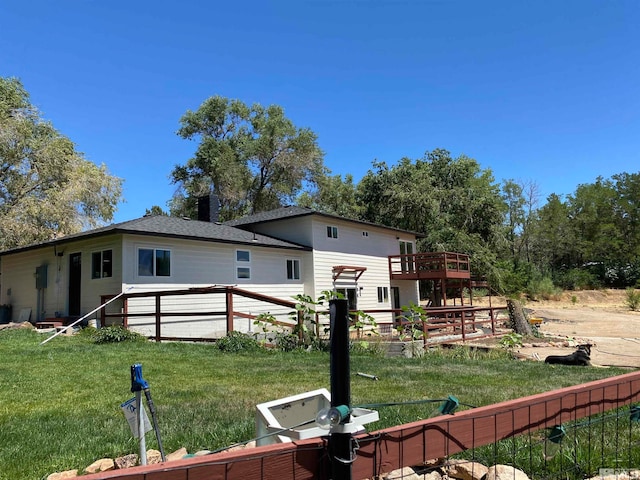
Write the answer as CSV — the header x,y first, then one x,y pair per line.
x,y
153,457
505,472
405,473
102,465
433,475
127,461
466,470
435,462
202,453
63,475
615,474
177,455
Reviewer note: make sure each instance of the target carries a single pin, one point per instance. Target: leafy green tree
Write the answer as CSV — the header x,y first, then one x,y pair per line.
x,y
521,199
253,158
333,195
453,202
593,213
553,236
155,210
47,188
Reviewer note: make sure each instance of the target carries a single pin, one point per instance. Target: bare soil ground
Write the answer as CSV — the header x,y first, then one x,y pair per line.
x,y
599,317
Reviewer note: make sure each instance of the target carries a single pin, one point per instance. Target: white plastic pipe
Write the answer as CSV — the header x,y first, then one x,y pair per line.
x,y
85,316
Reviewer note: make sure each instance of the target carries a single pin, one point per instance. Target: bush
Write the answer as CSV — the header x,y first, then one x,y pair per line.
x,y
115,334
577,279
236,342
633,299
542,288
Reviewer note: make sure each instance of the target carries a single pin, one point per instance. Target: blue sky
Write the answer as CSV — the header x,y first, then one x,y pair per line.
x,y
535,91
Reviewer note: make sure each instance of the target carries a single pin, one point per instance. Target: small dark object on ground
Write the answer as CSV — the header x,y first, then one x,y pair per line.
x,y
581,357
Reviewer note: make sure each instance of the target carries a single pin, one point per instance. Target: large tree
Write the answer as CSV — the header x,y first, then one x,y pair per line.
x,y
47,188
452,201
253,158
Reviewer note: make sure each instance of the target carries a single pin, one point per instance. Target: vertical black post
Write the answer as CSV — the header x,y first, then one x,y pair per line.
x,y
340,449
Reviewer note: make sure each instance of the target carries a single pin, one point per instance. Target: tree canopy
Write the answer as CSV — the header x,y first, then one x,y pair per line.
x,y
252,157
47,188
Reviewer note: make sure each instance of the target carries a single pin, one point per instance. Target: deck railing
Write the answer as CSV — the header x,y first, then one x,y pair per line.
x,y
430,265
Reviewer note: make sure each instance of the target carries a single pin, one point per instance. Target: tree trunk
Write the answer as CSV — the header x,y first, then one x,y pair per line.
x,y
517,318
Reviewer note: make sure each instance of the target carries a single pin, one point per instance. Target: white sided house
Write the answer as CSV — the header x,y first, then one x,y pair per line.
x,y
185,268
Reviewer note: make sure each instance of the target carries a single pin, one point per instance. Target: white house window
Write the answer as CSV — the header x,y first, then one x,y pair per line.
x,y
154,262
101,264
365,234
332,232
293,269
383,294
243,264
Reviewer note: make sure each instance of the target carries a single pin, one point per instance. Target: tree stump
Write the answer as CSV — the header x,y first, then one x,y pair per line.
x,y
517,319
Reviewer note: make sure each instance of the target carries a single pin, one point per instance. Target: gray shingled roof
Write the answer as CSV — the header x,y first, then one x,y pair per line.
x,y
277,214
174,227
293,211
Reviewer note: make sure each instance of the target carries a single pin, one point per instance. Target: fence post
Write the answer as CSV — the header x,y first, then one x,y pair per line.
x,y
340,450
229,299
300,327
125,312
158,317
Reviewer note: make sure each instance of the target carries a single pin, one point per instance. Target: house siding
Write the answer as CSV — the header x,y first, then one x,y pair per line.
x,y
352,248
204,263
19,278
194,264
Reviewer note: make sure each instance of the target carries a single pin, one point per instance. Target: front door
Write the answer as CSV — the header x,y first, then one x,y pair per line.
x,y
75,281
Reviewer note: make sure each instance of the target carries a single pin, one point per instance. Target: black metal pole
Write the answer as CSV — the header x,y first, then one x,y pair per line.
x,y
340,449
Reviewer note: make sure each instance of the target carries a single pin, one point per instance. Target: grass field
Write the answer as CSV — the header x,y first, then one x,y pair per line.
x,y
60,402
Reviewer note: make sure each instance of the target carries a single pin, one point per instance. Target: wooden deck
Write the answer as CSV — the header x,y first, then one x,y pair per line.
x,y
429,266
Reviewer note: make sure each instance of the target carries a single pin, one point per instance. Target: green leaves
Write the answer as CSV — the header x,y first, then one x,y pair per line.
x,y
47,188
254,158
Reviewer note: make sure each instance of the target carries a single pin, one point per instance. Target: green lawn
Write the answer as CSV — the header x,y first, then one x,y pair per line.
x,y
60,402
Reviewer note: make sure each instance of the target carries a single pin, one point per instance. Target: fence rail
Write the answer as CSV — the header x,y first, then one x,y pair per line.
x,y
405,445
437,322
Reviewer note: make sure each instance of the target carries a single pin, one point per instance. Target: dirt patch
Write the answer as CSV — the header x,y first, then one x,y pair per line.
x,y
599,317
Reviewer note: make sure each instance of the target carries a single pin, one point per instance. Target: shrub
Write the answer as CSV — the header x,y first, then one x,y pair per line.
x,y
542,288
236,342
511,341
115,334
633,299
577,279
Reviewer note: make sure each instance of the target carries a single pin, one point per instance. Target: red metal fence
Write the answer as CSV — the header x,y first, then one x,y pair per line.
x,y
405,445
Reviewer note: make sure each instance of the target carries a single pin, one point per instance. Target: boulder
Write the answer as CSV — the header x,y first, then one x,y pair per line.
x,y
405,473
505,472
466,470
102,465
177,455
127,461
433,475
63,475
153,457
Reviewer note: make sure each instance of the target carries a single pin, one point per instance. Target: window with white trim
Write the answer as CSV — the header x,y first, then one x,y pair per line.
x,y
332,232
383,294
154,262
101,264
293,269
243,264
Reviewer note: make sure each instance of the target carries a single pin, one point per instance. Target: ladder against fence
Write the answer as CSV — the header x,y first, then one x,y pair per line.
x,y
419,442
